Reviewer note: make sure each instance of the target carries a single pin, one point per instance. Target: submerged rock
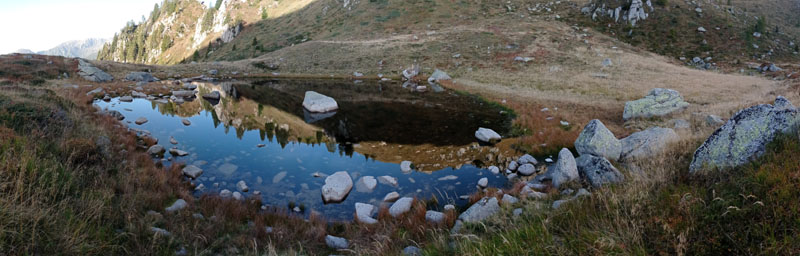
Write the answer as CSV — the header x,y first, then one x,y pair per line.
x,y
317,103
598,171
596,139
745,136
659,102
336,187
388,180
481,210
366,184
487,135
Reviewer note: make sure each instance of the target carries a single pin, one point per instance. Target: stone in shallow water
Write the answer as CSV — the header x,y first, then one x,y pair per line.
x,y
391,197
336,187
317,103
192,171
227,169
405,166
483,182
186,122
141,121
178,152
278,177
388,180
242,186
364,213
156,150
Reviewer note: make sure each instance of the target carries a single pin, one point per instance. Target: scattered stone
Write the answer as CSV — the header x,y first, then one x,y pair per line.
x,y
183,94
227,169
701,29
126,99
192,171
95,91
176,206
448,177
558,203
186,122
401,206
517,212
563,171
172,140
745,136
336,187
391,197
159,231
494,170
487,135
437,76
278,177
434,217
449,207
526,170
513,165
225,193
317,103
598,171
336,242
136,94
659,102
596,139
238,196
141,121
527,159
644,144
481,210
714,120
366,184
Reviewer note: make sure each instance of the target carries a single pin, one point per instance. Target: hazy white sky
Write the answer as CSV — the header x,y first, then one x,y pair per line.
x,y
42,24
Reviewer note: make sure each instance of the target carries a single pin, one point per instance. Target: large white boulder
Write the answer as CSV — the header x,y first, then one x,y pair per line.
x,y
317,103
487,135
336,187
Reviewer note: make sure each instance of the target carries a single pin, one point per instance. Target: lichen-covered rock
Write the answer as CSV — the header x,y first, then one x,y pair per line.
x,y
598,171
647,143
745,136
563,171
596,139
659,102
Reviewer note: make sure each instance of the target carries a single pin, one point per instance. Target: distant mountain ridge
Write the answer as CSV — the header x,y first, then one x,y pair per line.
x,y
86,49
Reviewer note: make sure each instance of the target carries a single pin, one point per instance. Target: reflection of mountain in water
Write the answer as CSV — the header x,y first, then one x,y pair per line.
x,y
384,112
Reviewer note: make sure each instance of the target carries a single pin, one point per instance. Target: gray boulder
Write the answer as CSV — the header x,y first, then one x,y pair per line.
x,y
336,242
176,206
126,99
156,150
183,94
437,76
336,187
563,171
745,136
91,73
364,213
434,217
215,95
481,210
598,171
141,77
596,139
366,184
647,143
527,159
659,102
526,169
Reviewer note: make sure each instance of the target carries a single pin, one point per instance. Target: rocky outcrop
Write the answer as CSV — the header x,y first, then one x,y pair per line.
x,y
659,102
563,171
481,210
647,143
598,171
745,136
336,187
91,73
317,103
596,139
625,11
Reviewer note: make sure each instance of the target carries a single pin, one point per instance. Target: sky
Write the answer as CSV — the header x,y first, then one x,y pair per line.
x,y
39,25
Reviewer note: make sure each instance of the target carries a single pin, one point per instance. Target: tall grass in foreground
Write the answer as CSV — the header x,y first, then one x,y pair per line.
x,y
660,209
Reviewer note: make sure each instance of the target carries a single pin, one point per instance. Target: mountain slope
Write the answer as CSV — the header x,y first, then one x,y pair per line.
x,y
86,49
